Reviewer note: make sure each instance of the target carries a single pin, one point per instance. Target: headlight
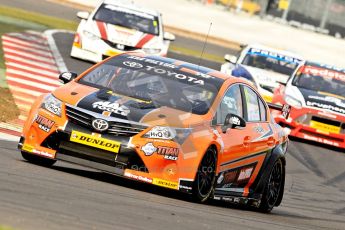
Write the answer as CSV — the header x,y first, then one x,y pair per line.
x,y
90,35
52,104
178,135
151,51
293,101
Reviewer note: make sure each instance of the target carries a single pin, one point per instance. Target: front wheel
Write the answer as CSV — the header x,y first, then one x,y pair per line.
x,y
37,159
274,187
205,176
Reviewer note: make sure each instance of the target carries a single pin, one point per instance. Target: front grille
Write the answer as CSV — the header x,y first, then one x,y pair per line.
x,y
116,46
84,118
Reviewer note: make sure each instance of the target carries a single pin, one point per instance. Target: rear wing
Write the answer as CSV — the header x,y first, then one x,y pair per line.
x,y
285,109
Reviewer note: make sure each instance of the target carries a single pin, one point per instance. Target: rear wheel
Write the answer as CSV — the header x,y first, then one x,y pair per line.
x,y
37,159
274,187
205,177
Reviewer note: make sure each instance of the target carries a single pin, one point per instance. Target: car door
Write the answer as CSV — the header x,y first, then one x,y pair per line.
x,y
242,154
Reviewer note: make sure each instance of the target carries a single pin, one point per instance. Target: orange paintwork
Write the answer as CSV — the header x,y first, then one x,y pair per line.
x,y
230,145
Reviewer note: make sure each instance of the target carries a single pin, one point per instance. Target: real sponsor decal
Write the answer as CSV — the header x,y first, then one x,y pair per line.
x,y
31,149
321,140
93,141
324,73
165,183
151,61
159,132
137,177
148,149
274,55
111,107
44,123
325,106
245,174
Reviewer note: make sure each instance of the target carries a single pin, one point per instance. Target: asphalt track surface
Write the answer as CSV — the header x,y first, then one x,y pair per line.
x,y
68,196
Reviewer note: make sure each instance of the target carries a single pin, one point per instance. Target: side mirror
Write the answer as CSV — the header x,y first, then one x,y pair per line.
x,y
230,58
233,121
83,15
66,77
169,36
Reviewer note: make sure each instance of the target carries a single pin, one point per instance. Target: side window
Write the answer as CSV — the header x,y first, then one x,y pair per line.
x,y
252,104
263,111
231,103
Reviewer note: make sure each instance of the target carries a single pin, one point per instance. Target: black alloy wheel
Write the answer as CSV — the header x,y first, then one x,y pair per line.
x,y
205,177
274,187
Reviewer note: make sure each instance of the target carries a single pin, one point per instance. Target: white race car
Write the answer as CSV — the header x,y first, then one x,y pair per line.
x,y
119,26
267,66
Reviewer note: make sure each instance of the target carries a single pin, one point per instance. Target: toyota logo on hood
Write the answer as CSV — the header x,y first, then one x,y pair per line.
x,y
100,125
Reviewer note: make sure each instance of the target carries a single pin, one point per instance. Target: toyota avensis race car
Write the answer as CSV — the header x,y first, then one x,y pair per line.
x,y
267,66
119,26
166,123
316,93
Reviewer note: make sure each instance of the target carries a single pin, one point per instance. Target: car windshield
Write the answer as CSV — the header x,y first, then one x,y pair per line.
x,y
271,61
129,18
320,79
154,83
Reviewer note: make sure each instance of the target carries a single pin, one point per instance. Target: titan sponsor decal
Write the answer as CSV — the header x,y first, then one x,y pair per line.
x,y
111,107
44,123
140,178
31,149
165,183
93,141
324,73
274,55
169,153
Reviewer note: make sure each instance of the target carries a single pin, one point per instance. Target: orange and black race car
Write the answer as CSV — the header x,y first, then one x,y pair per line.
x,y
163,122
316,94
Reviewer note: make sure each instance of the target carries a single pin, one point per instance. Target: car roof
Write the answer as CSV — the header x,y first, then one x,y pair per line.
x,y
130,5
326,66
276,50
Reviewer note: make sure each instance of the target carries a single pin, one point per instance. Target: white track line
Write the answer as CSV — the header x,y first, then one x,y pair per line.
x,y
31,69
32,84
35,77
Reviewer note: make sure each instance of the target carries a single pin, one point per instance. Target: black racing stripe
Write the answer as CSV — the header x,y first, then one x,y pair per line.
x,y
243,158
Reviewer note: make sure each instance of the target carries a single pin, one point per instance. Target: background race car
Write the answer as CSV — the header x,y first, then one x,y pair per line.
x,y
213,138
316,93
266,66
119,26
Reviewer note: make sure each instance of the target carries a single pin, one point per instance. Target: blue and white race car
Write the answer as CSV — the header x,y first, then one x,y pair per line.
x,y
266,66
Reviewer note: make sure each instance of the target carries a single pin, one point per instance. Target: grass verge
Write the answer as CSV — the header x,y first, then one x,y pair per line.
x,y
48,21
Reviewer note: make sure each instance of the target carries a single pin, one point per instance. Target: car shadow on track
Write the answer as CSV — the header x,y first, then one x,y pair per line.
x,y
143,187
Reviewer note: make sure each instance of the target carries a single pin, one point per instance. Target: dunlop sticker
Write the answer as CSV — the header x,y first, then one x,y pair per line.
x,y
165,183
93,141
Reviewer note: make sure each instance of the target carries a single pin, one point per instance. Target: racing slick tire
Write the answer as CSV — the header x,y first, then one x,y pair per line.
x,y
274,187
37,159
203,185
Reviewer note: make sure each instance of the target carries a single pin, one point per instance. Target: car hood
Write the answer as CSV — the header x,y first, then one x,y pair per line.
x,y
125,36
118,106
265,77
322,100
